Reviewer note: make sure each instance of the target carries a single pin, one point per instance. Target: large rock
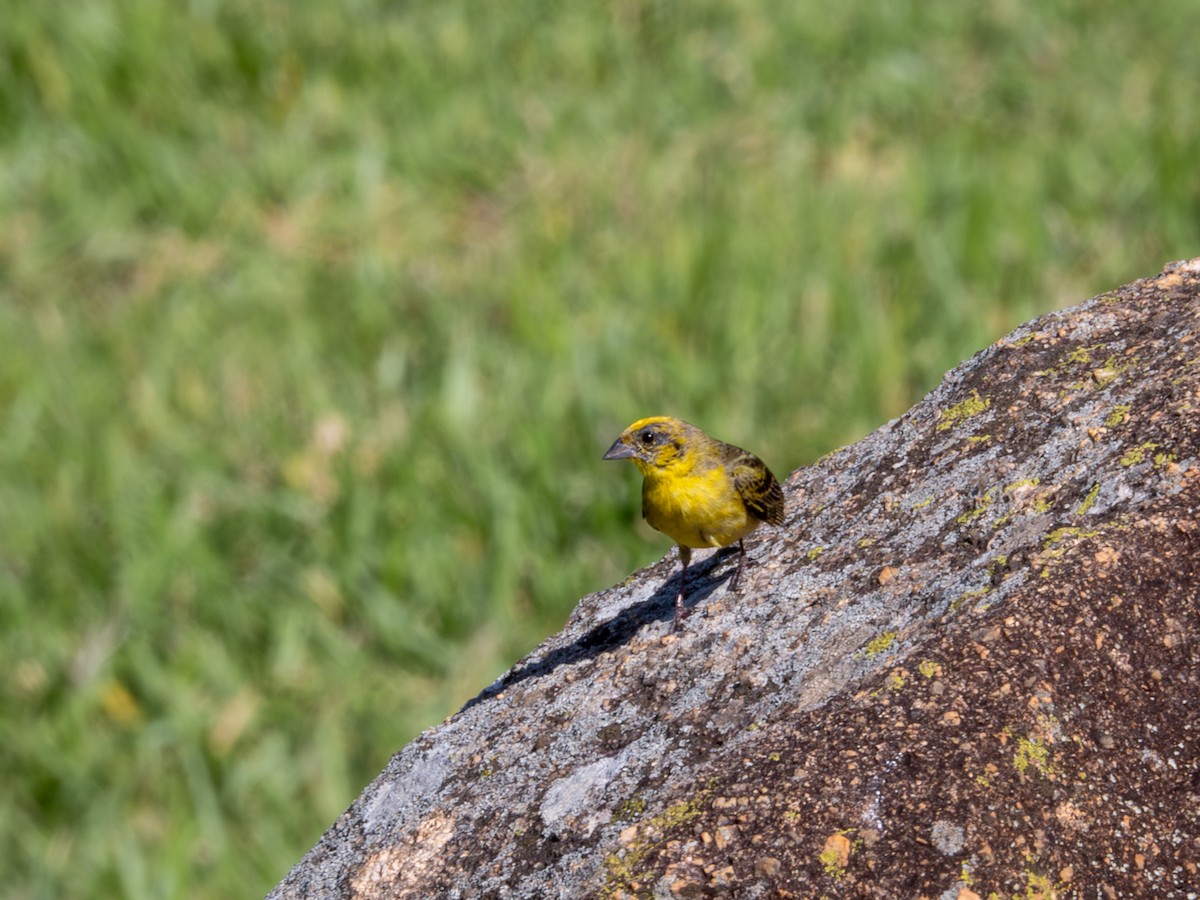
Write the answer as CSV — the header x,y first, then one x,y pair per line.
x,y
967,664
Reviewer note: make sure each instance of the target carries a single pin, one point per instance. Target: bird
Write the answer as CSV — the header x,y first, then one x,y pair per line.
x,y
698,491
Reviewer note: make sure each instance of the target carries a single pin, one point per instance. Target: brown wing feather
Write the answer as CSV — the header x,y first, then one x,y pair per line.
x,y
758,488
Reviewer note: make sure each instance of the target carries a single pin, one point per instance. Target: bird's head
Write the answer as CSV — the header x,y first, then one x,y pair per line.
x,y
657,442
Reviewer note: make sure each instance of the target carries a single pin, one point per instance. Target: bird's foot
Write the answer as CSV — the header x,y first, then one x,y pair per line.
x,y
681,613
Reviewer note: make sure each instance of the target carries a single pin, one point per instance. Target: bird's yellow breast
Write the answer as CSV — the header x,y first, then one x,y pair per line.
x,y
695,506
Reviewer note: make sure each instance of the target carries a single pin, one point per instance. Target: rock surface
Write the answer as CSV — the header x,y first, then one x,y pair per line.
x,y
967,664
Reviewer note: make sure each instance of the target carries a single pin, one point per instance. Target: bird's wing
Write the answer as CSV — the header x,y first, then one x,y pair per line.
x,y
758,488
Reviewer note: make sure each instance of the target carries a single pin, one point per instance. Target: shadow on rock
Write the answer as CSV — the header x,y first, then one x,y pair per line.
x,y
623,626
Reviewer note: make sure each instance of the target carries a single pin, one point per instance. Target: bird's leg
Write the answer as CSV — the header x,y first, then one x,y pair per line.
x,y
685,556
737,575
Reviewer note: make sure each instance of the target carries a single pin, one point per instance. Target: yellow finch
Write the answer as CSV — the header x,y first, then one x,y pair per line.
x,y
698,491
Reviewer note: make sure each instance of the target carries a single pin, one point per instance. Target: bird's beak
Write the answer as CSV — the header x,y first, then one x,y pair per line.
x,y
619,450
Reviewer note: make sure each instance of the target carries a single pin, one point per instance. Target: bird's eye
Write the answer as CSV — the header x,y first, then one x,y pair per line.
x,y
647,437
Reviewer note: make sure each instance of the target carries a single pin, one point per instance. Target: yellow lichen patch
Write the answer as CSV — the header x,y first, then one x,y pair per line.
x,y
981,506
1017,486
1040,887
678,813
1162,460
1103,374
629,809
1058,535
972,406
929,668
1137,454
965,876
1043,504
1066,537
626,867
1033,752
1081,355
1118,415
1118,364
1018,493
1088,500
835,855
879,644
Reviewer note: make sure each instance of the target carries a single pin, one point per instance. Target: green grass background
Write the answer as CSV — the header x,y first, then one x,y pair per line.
x,y
315,319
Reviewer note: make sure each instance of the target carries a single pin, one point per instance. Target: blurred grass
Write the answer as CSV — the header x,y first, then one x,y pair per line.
x,y
314,321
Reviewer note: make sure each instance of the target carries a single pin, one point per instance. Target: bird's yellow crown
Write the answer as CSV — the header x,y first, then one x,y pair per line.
x,y
660,442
